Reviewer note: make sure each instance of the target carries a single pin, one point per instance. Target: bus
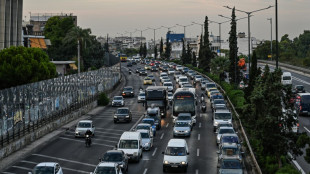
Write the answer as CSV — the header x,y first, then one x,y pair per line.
x,y
123,57
184,101
156,96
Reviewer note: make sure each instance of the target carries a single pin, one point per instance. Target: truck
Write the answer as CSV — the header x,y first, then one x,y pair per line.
x,y
157,96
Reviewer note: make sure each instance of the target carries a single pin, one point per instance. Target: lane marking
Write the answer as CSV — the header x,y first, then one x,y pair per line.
x,y
197,171
133,126
145,170
162,135
199,125
70,136
111,129
62,159
167,125
64,168
198,137
8,173
100,144
197,152
154,151
23,168
306,129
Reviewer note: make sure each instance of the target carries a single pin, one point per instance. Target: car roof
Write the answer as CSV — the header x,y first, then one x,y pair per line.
x,y
231,145
143,131
148,119
181,121
118,96
130,135
222,111
128,87
123,108
143,124
303,94
49,164
227,128
230,135
85,121
114,151
176,143
107,164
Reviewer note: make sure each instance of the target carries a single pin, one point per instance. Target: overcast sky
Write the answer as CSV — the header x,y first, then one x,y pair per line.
x,y
117,16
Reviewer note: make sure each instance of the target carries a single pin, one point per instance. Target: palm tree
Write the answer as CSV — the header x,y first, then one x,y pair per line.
x,y
219,65
78,35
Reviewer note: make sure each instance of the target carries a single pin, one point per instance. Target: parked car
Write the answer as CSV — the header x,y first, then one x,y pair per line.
x,y
122,114
47,167
182,128
83,126
141,97
116,156
147,139
118,101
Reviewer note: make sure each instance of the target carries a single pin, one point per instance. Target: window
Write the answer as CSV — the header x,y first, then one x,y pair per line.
x,y
175,151
84,125
128,144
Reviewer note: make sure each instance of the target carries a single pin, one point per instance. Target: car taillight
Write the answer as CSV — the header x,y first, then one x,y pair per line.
x,y
300,107
297,124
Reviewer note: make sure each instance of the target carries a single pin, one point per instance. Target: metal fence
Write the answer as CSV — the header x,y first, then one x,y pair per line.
x,y
28,107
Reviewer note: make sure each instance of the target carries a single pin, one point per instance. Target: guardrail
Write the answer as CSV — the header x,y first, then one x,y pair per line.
x,y
300,69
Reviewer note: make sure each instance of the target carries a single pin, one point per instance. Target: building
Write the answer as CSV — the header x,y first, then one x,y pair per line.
x,y
11,14
38,20
176,41
63,67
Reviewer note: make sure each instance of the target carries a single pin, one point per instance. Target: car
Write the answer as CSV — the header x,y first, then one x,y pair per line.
x,y
197,78
163,77
169,86
131,143
138,70
221,116
155,114
203,85
141,97
192,76
170,97
147,67
182,128
144,126
147,139
224,130
184,70
129,63
83,126
122,114
116,156
179,67
147,81
142,72
175,155
170,71
186,117
209,91
182,79
166,80
299,89
302,103
230,151
230,139
150,121
153,68
217,101
176,73
47,167
118,101
152,77
219,107
209,86
128,91
108,167
186,85
230,166
223,124
215,96
190,72
165,68
163,74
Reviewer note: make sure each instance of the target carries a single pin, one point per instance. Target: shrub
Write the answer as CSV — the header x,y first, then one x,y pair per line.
x,y
103,100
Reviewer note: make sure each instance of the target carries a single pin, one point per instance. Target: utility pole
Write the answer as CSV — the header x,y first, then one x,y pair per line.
x,y
79,63
277,45
270,19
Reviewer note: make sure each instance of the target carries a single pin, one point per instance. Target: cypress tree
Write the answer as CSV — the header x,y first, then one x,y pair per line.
x,y
168,49
141,50
206,53
188,59
183,56
161,48
194,61
144,50
155,52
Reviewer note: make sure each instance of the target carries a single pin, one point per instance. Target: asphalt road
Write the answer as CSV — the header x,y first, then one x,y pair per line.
x,y
74,157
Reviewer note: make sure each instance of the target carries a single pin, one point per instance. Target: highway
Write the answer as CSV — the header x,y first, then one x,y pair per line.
x,y
74,157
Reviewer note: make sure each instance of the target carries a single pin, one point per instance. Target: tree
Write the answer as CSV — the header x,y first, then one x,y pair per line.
x,y
183,56
155,52
144,50
141,50
168,49
189,53
194,60
233,51
219,65
161,48
21,65
253,75
206,53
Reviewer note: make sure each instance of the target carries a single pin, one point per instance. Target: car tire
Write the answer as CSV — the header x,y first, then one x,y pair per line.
x,y
115,121
185,169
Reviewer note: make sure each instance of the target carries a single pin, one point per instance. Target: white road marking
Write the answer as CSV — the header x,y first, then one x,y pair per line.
x,y
110,133
100,144
23,168
199,125
8,173
307,129
167,125
79,171
133,126
145,170
62,159
198,137
197,152
154,151
162,135
110,129
197,171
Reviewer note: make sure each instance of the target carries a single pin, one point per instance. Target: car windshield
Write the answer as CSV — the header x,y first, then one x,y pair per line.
x,y
171,69
105,170
151,76
230,139
222,115
143,127
198,76
305,99
151,122
167,84
184,118
117,98
231,164
142,94
177,73
145,135
84,124
183,80
211,85
226,131
128,144
112,157
175,151
43,169
128,89
224,125
219,101
286,77
170,95
181,124
122,111
147,78
299,87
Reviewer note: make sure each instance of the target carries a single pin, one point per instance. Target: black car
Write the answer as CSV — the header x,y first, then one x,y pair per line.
x,y
138,70
153,68
129,64
128,91
116,156
134,62
142,72
299,89
122,114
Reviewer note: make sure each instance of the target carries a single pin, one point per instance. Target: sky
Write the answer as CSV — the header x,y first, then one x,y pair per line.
x,y
116,17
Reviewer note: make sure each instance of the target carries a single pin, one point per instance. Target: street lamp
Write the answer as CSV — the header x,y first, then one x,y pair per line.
x,y
154,33
201,26
220,33
168,27
249,32
270,19
141,34
277,44
184,28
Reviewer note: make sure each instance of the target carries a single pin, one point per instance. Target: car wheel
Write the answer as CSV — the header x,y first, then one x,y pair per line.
x,y
185,169
115,121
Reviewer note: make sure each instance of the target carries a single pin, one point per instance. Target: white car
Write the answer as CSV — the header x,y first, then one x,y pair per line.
x,y
141,97
222,131
107,167
169,86
182,79
118,101
175,155
179,67
163,74
170,96
147,139
170,71
83,126
47,167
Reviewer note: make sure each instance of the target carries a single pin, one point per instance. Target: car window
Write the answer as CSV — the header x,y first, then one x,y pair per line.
x,y
105,170
222,115
142,94
151,122
175,151
84,125
112,157
122,111
226,131
128,144
43,169
231,164
230,139
181,124
305,99
117,98
184,118
145,135
143,127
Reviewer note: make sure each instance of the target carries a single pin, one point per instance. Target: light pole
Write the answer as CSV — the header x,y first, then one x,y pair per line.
x,y
201,26
220,32
270,19
168,27
141,34
249,32
154,34
184,28
277,44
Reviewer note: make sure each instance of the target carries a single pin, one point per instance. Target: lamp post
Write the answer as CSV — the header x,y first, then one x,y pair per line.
x,y
201,26
270,19
168,27
249,32
141,34
154,33
184,28
220,32
277,44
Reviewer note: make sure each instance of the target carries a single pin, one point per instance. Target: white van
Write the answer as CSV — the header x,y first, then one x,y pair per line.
x,y
175,155
131,144
286,78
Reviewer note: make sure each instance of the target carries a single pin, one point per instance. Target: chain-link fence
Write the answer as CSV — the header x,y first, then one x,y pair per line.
x,y
28,107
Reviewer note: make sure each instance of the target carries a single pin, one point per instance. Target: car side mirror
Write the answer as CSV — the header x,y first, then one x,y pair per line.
x,y
93,126
75,126
218,166
162,152
187,153
140,147
100,159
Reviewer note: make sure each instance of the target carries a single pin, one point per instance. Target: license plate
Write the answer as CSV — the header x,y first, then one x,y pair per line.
x,y
174,165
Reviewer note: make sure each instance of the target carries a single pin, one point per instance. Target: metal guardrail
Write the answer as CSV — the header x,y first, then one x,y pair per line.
x,y
300,69
23,109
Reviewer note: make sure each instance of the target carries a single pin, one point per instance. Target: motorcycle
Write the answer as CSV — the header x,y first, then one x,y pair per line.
x,y
203,108
87,141
129,71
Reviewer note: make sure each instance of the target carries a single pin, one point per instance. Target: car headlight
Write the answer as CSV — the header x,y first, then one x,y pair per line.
x,y
127,116
131,92
112,102
216,123
218,138
135,154
166,162
115,116
186,131
77,132
183,162
146,144
176,131
162,113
